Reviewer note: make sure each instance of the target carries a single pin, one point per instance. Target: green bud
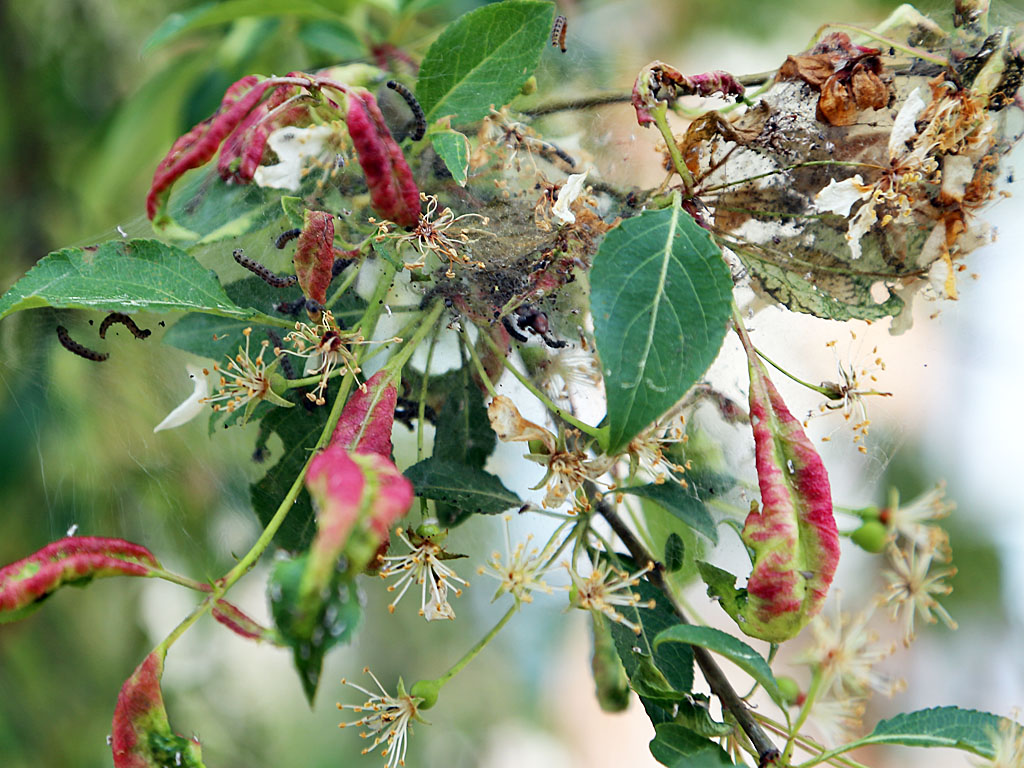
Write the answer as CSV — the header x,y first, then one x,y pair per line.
x,y
789,688
872,536
537,446
427,690
867,513
610,681
529,86
431,531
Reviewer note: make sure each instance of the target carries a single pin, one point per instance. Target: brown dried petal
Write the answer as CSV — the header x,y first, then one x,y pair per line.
x,y
869,92
813,69
836,105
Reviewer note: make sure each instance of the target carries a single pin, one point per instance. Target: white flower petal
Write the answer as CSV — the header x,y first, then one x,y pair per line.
x,y
839,196
292,146
572,189
860,225
191,408
904,126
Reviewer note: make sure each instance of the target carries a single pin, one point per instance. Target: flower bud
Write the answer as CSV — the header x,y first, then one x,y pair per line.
x,y
872,536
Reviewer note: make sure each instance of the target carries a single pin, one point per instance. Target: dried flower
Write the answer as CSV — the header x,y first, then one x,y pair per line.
x,y
422,565
912,588
847,395
387,720
646,451
431,235
607,587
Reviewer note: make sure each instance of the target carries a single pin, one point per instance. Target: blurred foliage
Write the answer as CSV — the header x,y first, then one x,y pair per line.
x,y
84,120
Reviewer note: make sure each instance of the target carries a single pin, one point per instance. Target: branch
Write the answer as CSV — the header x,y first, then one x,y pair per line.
x,y
766,752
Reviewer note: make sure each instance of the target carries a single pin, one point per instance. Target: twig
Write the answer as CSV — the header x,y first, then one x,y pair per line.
x,y
766,750
587,102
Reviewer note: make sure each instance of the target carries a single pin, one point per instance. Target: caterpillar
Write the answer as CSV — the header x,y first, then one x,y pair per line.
x,y
286,237
75,348
277,281
417,111
558,32
126,321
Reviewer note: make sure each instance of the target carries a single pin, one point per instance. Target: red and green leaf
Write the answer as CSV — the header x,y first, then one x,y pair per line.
x,y
314,255
74,560
393,191
141,736
792,537
366,421
232,617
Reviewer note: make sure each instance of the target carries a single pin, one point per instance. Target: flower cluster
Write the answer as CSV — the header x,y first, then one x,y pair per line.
x,y
423,565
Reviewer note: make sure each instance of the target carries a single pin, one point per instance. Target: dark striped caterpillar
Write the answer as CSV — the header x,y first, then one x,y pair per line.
x,y
277,281
75,348
558,32
417,111
286,237
126,321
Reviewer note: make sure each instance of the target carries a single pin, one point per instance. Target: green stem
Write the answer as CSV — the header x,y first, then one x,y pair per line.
x,y
342,288
896,44
427,321
536,392
183,581
660,120
422,406
805,711
820,390
472,652
481,371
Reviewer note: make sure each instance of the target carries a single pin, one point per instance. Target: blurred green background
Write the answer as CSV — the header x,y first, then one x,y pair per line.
x,y
86,114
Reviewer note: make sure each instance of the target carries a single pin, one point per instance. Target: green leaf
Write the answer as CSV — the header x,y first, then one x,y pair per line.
x,y
299,430
119,275
724,644
675,662
213,14
468,489
953,727
679,747
312,629
453,148
660,297
215,337
683,503
464,434
333,38
483,58
675,552
207,210
722,585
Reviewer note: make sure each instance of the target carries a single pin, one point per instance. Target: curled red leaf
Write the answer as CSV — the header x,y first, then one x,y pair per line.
x,y
232,617
659,81
200,144
793,536
79,558
314,255
393,191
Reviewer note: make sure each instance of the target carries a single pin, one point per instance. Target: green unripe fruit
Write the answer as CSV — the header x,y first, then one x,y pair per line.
x,y
872,536
430,530
789,688
427,690
529,86
537,446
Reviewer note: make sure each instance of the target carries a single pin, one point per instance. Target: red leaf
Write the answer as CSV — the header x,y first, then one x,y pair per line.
x,y
26,582
200,144
367,418
314,255
232,617
141,736
393,191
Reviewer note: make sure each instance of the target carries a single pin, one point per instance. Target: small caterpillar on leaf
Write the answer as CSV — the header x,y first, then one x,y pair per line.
x,y
558,33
